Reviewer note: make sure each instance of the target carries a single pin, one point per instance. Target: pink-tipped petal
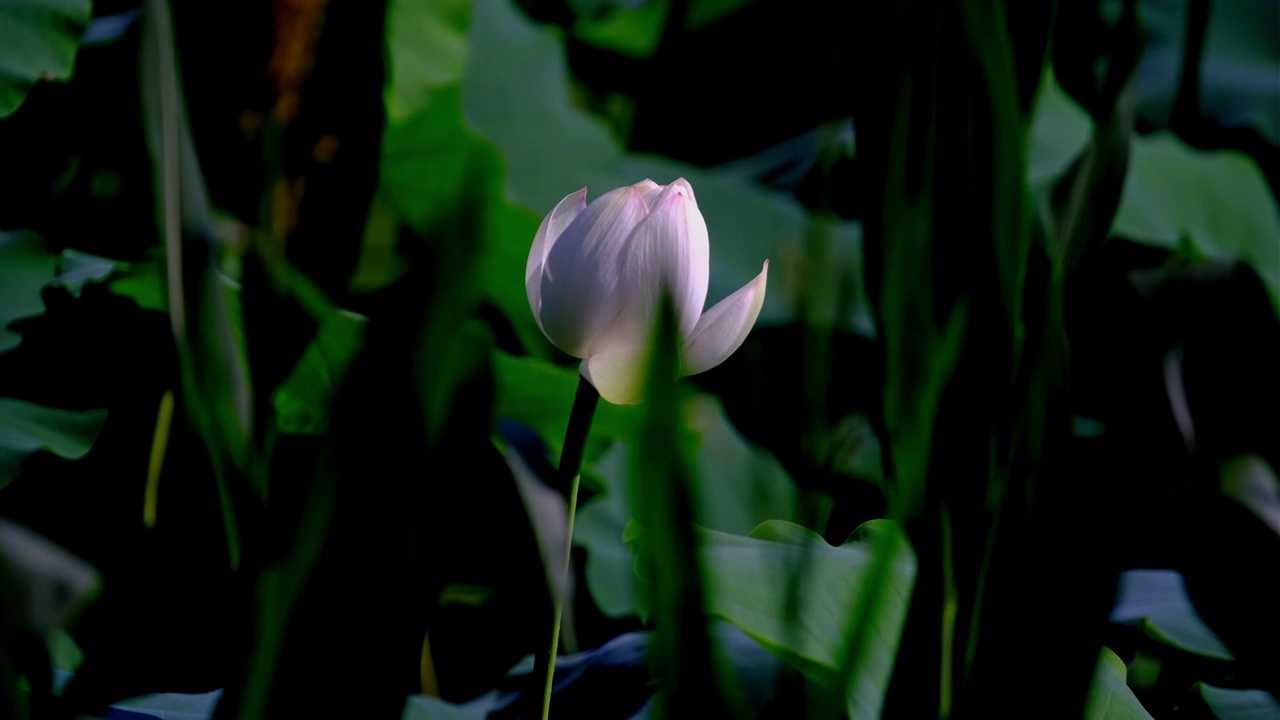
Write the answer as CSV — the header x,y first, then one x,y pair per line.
x,y
668,251
648,190
552,226
723,328
580,274
618,375
686,188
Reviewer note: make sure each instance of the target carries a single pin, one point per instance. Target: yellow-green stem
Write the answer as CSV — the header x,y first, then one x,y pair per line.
x,y
575,443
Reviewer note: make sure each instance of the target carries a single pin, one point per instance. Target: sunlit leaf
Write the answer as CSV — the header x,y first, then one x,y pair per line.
x,y
428,45
40,39
432,166
1217,200
26,428
747,586
738,487
1109,697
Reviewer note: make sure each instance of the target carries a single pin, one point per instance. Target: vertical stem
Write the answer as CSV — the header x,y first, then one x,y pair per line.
x,y
575,443
1186,104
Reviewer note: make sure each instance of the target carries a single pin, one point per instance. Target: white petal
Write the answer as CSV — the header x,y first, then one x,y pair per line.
x,y
668,251
722,329
618,375
648,190
684,186
580,275
552,226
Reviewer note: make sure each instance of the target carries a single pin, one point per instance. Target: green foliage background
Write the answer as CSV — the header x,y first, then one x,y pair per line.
x,y
267,363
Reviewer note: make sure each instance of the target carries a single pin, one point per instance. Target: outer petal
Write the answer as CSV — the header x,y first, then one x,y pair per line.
x,y
648,190
686,188
580,275
618,375
552,226
667,251
722,329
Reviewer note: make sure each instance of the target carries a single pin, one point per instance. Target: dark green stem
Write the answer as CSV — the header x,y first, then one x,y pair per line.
x,y
575,443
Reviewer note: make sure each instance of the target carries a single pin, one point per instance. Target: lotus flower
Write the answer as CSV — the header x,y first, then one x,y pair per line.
x,y
596,274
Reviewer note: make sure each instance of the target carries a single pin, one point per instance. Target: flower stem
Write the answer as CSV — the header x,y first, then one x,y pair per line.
x,y
575,443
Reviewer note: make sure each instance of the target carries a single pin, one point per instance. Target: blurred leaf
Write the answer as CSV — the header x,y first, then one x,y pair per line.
x,y
1218,200
992,48
1109,697
40,39
1239,64
1157,601
745,587
1231,704
663,495
64,653
1251,481
169,706
634,32
303,400
738,487
425,158
26,428
204,304
1060,131
704,12
43,586
540,395
552,148
428,46
417,707
138,281
25,267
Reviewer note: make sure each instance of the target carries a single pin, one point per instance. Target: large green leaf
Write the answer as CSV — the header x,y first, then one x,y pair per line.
x,y
1109,697
428,46
40,39
433,165
25,267
26,428
747,585
737,488
1218,201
